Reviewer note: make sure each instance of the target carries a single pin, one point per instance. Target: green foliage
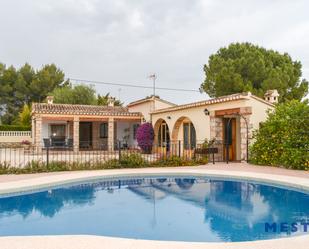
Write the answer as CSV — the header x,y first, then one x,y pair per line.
x,y
25,116
24,86
80,94
103,100
283,140
132,161
14,128
245,67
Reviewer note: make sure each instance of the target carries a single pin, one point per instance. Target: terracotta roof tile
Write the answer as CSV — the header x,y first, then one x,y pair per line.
x,y
43,108
227,98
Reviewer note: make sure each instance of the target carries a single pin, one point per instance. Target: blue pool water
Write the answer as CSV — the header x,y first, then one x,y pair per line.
x,y
157,208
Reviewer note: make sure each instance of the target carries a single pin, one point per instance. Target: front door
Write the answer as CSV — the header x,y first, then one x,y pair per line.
x,y
229,138
85,135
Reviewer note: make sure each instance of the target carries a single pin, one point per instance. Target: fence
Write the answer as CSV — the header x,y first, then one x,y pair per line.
x,y
24,155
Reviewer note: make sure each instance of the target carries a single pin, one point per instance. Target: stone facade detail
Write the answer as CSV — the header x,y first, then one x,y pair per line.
x,y
96,135
38,132
216,132
243,135
111,134
76,134
216,128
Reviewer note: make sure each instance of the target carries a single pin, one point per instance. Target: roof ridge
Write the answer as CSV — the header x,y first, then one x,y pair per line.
x,y
219,99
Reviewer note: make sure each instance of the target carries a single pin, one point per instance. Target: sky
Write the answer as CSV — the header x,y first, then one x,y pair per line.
x,y
125,41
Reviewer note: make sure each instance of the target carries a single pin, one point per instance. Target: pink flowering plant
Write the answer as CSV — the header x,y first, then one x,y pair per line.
x,y
145,137
25,142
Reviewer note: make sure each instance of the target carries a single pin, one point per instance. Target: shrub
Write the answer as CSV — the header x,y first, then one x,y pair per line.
x,y
14,128
283,140
132,161
145,137
25,116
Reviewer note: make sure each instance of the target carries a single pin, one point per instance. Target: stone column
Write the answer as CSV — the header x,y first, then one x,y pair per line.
x,y
111,134
95,135
38,133
33,130
243,136
76,134
216,131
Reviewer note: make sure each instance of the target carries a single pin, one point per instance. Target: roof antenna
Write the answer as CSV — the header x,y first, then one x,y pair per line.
x,y
153,77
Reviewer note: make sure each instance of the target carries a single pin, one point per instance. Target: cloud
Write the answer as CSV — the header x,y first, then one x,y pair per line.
x,y
124,41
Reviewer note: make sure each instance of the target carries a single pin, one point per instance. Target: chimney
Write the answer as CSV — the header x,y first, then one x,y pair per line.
x,y
272,96
110,101
50,100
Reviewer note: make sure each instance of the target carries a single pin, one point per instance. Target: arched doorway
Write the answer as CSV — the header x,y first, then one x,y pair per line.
x,y
185,132
162,135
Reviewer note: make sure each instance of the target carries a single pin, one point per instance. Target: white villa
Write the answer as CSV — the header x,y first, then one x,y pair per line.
x,y
229,118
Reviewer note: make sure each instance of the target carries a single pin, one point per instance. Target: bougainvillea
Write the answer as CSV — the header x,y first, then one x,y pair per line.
x,y
145,137
283,140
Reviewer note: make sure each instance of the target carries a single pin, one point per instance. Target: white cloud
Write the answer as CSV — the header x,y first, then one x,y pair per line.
x,y
123,41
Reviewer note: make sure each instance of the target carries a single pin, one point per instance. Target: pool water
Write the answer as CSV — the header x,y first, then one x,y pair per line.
x,y
157,208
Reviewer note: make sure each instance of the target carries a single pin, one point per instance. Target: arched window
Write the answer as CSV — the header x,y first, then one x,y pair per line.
x,y
189,136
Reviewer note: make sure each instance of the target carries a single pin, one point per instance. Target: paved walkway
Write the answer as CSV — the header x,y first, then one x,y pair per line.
x,y
218,166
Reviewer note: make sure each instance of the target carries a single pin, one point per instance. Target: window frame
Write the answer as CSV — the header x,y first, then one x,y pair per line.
x,y
104,132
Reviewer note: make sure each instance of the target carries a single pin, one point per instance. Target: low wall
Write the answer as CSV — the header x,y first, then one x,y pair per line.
x,y
14,136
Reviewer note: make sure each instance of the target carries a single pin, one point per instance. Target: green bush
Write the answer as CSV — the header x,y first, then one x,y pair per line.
x,y
126,161
132,161
283,140
14,128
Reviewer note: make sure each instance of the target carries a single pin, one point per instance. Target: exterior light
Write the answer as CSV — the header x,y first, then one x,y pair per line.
x,y
206,112
168,117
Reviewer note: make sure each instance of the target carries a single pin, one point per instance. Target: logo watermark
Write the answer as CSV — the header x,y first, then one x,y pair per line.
x,y
285,227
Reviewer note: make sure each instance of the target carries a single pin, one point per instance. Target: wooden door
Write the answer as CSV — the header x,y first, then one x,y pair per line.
x,y
229,138
85,135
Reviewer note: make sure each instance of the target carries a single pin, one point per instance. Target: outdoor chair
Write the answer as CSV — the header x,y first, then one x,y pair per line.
x,y
69,143
47,143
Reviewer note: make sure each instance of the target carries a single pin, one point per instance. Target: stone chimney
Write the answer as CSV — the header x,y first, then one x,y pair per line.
x,y
272,96
110,101
50,100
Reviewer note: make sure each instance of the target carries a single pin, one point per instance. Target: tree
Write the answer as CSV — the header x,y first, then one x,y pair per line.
x,y
25,116
246,67
283,139
80,94
145,137
103,100
25,85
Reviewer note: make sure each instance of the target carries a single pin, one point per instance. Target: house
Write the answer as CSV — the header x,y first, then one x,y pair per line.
x,y
86,126
147,105
227,119
178,129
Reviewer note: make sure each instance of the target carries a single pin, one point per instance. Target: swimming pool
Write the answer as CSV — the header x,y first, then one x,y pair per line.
x,y
158,208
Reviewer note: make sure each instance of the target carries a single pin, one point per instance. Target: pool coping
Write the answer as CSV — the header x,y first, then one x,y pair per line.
x,y
89,241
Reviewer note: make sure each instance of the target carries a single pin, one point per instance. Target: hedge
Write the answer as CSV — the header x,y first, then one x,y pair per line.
x,y
14,128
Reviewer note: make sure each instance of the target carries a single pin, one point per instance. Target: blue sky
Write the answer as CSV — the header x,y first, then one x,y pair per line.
x,y
125,41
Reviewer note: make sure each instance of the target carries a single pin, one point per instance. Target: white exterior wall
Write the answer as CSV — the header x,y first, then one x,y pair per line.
x,y
14,136
121,126
46,133
259,110
200,121
146,107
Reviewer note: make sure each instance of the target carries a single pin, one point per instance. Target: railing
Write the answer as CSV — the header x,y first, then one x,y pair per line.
x,y
15,133
25,155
